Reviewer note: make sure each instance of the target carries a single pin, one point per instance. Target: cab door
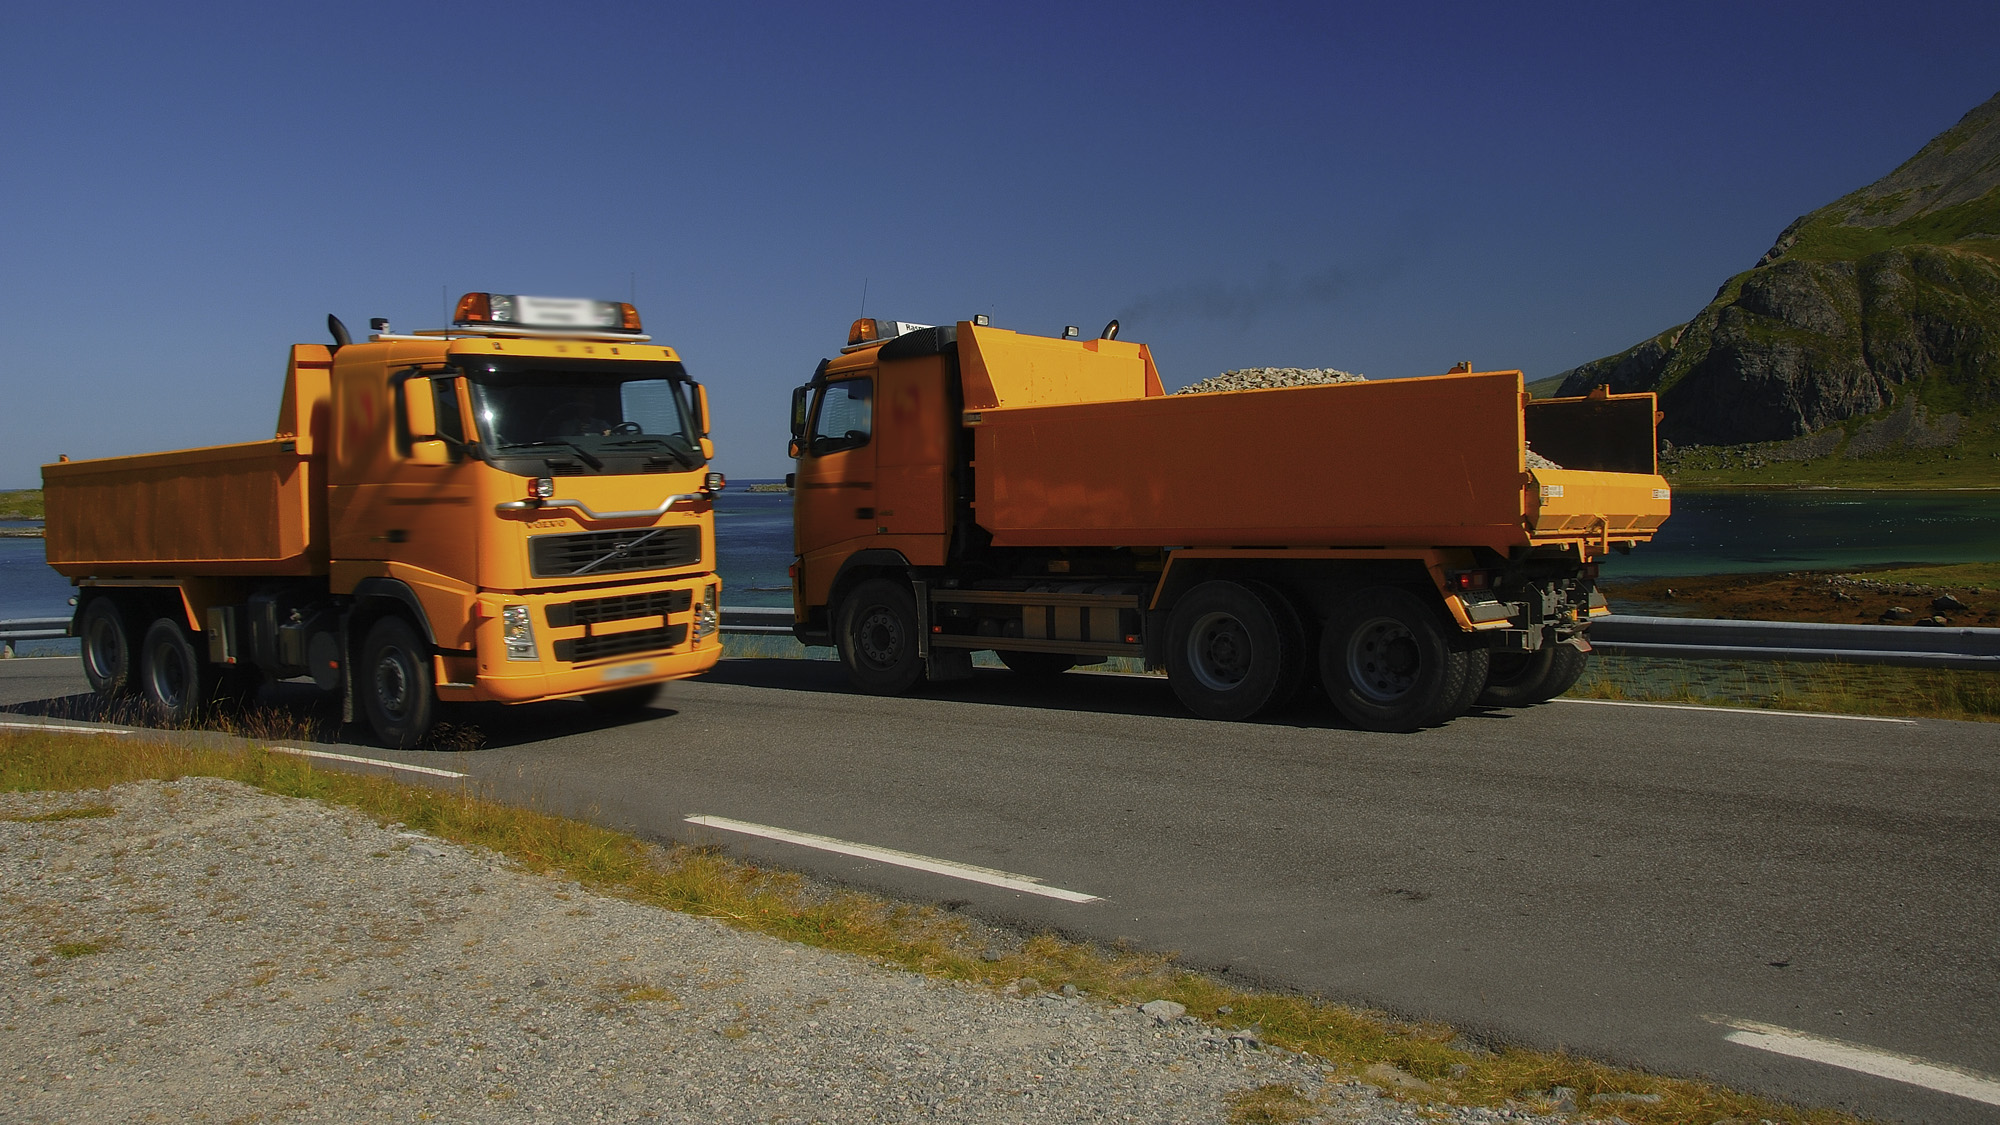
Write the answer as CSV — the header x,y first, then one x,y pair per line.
x,y
834,493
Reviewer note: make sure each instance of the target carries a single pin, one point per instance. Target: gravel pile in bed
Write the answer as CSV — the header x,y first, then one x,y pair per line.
x,y
200,950
1258,378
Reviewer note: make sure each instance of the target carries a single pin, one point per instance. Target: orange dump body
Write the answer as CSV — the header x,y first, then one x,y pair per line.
x,y
1422,462
227,510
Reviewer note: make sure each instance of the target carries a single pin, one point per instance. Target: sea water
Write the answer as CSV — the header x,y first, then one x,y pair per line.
x,y
1709,533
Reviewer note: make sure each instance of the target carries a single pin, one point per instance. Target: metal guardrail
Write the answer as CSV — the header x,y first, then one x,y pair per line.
x,y
1686,637
757,620
1944,646
31,629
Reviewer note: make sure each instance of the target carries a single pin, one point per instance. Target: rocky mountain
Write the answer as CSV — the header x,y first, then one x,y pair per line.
x,y
1870,328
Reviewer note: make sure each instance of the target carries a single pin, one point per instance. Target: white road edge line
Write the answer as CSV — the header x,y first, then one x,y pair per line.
x,y
62,727
1942,1077
1027,884
361,761
1735,710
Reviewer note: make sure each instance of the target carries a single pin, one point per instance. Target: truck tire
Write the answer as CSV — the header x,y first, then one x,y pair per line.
x,y
1477,661
1038,665
1388,664
394,682
1523,679
107,650
176,680
877,637
1234,650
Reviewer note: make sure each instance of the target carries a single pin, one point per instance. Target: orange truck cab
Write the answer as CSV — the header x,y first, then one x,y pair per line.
x,y
514,508
964,487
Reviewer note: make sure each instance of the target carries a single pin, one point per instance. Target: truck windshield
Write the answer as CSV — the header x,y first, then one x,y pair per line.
x,y
605,415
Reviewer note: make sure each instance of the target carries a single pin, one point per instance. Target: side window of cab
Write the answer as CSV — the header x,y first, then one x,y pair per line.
x,y
845,417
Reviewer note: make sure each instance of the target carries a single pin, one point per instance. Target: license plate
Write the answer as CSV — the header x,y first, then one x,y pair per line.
x,y
629,671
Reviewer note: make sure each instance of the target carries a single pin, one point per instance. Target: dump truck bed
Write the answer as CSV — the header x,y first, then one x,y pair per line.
x,y
247,509
1415,462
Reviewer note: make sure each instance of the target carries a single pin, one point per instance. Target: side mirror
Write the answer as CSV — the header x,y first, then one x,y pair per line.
x,y
701,408
801,398
419,409
792,450
430,453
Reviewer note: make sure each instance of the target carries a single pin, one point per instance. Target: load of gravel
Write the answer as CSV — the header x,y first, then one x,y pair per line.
x,y
1260,378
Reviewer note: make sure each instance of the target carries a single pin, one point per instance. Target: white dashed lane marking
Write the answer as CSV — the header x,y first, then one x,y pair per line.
x,y
63,727
1027,884
361,761
1738,711
1942,1077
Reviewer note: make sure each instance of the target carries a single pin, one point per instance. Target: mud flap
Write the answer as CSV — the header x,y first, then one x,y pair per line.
x,y
945,665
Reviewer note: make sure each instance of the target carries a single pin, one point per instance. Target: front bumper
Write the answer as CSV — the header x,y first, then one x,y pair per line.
x,y
593,640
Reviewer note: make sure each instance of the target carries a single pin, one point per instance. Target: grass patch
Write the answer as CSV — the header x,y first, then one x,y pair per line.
x,y
926,939
75,949
21,504
88,812
1825,687
1274,1104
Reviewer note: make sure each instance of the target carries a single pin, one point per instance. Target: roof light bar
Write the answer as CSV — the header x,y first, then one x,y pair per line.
x,y
868,330
514,310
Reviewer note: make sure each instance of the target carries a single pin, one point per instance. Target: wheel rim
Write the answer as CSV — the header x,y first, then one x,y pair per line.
x,y
393,677
1383,660
1219,652
169,676
878,638
100,645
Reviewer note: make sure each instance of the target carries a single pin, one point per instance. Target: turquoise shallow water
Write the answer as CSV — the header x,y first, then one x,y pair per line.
x,y
1748,532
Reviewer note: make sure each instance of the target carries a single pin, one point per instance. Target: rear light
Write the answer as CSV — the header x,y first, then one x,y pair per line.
x,y
1470,580
1590,570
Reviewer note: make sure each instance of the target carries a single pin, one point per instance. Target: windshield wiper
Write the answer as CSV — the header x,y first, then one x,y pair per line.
x,y
582,454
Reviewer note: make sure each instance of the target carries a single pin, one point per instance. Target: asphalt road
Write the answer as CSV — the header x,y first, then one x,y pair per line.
x,y
1621,881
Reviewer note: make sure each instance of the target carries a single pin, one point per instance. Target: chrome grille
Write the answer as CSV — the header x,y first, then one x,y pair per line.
x,y
613,552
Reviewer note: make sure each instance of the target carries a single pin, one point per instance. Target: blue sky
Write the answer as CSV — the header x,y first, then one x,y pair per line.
x,y
188,189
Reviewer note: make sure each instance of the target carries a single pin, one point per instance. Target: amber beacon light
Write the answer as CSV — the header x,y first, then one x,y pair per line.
x,y
513,310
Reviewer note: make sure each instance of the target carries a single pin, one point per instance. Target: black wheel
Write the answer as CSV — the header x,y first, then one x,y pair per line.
x,y
1388,663
878,637
175,679
1038,665
1523,679
1477,660
623,701
1234,650
393,679
107,650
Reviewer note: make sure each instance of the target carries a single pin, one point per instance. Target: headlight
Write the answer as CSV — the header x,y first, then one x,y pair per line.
x,y
708,617
519,631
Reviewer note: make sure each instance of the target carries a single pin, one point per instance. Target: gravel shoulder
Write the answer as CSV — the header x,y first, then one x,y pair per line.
x,y
200,950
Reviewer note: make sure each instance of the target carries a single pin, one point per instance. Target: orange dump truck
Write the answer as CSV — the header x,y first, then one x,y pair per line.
x,y
516,508
967,488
